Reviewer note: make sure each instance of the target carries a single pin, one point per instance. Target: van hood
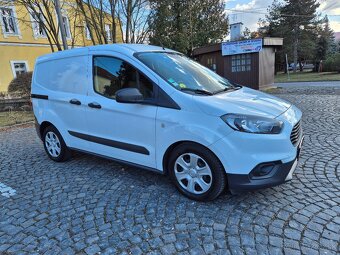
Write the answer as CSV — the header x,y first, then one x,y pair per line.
x,y
242,101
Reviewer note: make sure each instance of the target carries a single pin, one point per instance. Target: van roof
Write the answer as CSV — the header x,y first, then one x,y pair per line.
x,y
128,49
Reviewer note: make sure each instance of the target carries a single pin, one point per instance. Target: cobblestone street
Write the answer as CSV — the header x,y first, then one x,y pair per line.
x,y
90,205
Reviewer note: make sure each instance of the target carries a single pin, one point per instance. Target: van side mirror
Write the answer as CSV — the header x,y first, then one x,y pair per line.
x,y
129,95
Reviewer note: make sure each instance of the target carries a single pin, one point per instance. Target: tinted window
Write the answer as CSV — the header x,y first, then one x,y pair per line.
x,y
112,74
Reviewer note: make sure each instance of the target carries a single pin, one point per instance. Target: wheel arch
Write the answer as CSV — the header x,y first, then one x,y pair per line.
x,y
176,144
43,126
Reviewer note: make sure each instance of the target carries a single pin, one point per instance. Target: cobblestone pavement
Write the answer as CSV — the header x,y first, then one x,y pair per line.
x,y
90,205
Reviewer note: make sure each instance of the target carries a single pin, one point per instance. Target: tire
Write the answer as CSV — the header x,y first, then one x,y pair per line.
x,y
196,172
54,145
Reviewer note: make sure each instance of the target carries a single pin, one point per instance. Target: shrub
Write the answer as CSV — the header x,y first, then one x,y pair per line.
x,y
2,95
332,63
21,85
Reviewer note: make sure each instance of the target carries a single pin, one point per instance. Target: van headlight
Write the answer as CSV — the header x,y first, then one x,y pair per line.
x,y
253,124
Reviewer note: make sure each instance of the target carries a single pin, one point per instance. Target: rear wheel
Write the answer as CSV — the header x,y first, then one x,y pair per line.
x,y
54,145
196,172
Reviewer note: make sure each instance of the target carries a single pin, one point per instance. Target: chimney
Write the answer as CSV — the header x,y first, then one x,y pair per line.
x,y
236,31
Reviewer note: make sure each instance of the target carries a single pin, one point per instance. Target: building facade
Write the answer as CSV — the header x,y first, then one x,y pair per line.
x,y
254,69
23,38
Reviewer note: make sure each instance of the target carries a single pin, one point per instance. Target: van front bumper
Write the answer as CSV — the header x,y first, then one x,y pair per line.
x,y
264,175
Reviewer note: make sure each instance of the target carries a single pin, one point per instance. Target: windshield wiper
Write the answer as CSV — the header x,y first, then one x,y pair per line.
x,y
197,91
227,89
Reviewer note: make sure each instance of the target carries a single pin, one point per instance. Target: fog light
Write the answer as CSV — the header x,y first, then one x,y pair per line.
x,y
262,171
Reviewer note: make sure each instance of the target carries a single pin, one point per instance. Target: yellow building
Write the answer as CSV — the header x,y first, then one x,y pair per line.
x,y
23,38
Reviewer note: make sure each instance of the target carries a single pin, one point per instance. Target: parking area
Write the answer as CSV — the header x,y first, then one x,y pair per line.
x,y
90,205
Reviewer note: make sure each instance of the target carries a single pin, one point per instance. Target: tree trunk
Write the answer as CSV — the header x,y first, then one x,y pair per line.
x,y
300,65
128,20
295,48
113,4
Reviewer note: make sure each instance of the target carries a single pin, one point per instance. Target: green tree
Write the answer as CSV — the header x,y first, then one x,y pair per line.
x,y
183,25
247,33
297,23
325,44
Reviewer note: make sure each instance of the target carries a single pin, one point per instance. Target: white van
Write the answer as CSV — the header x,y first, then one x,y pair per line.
x,y
158,110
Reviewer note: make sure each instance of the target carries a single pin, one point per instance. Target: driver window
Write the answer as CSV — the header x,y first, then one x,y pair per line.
x,y
111,74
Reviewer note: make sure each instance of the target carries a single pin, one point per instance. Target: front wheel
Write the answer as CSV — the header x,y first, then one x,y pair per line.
x,y
197,172
54,145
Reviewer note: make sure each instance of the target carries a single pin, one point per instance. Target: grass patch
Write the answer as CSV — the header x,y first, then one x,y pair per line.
x,y
15,117
307,76
272,90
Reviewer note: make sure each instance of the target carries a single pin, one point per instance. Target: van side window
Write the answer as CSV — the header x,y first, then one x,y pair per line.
x,y
66,75
111,74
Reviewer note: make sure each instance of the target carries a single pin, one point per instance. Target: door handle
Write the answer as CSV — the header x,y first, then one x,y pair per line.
x,y
75,101
95,105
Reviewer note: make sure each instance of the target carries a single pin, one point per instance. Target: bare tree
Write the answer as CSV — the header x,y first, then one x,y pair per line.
x,y
135,16
130,18
98,16
105,20
77,28
113,7
42,12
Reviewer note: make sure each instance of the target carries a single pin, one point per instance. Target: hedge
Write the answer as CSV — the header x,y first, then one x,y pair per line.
x,y
332,63
21,85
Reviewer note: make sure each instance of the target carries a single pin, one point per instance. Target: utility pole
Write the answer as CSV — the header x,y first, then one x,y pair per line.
x,y
61,24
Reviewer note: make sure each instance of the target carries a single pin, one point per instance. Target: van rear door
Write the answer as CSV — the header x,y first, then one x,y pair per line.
x,y
65,83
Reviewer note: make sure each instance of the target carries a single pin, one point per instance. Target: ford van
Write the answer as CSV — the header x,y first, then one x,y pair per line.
x,y
156,109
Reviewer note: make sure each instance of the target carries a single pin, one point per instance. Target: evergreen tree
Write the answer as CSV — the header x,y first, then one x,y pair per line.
x,y
183,25
297,23
325,43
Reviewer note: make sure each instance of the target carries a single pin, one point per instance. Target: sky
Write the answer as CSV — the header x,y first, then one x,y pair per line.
x,y
235,7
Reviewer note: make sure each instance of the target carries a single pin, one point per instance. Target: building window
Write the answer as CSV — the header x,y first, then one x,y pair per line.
x,y
108,32
241,63
19,67
8,19
87,32
66,25
38,25
211,63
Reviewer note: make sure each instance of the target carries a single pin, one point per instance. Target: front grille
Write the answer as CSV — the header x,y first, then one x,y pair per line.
x,y
296,133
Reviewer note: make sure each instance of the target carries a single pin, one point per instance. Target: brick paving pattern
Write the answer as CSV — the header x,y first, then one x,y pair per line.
x,y
90,205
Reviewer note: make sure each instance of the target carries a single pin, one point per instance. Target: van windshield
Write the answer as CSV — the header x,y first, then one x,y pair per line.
x,y
185,74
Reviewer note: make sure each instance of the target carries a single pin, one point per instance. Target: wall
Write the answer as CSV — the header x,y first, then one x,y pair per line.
x,y
10,53
224,68
246,78
216,58
266,67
